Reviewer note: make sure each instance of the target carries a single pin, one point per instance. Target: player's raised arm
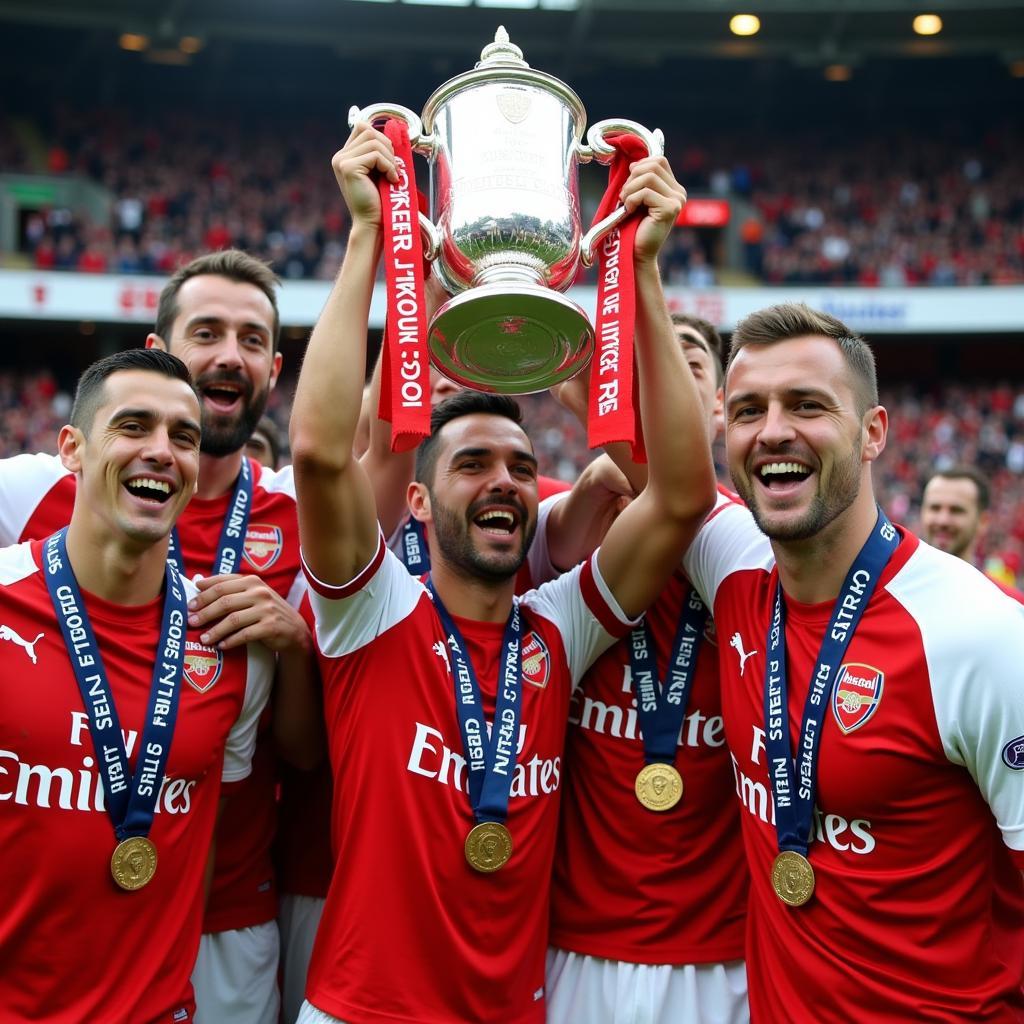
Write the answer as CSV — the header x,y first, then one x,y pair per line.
x,y
645,543
337,513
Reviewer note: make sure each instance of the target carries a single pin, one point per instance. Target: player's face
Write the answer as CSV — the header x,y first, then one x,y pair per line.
x,y
702,364
224,334
794,438
140,458
441,387
950,517
483,500
258,447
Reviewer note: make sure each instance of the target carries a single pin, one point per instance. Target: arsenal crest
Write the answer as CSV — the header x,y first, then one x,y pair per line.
x,y
262,545
535,660
856,695
202,665
514,105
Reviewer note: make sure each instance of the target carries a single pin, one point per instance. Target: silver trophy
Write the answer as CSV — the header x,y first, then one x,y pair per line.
x,y
504,143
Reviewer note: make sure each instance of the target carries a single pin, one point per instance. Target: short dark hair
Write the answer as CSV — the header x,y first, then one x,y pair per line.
x,y
796,320
233,264
707,330
966,473
90,389
464,403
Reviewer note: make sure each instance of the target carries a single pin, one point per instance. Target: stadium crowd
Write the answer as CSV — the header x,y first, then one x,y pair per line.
x,y
980,425
887,210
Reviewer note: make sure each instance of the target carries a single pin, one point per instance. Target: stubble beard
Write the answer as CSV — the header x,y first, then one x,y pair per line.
x,y
456,544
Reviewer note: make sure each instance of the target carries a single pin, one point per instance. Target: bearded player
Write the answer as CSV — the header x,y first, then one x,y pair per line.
x,y
219,315
872,708
118,724
424,921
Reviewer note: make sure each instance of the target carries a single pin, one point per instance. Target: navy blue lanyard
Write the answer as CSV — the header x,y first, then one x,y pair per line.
x,y
661,710
415,555
231,544
130,799
793,786
490,763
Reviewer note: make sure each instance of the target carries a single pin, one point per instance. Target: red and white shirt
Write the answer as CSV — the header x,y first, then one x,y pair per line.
x,y
918,832
410,931
74,947
631,884
37,495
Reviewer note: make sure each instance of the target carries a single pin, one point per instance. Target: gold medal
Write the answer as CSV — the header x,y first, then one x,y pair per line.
x,y
659,787
488,846
133,863
792,878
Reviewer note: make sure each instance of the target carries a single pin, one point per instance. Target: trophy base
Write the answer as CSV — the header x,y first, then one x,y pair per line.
x,y
510,339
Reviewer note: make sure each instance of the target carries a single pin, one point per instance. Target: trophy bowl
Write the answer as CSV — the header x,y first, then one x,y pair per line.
x,y
504,143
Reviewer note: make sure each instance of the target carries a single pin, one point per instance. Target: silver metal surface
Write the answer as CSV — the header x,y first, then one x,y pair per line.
x,y
504,143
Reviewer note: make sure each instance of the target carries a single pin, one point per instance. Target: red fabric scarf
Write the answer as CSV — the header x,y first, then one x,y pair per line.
x,y
405,362
612,414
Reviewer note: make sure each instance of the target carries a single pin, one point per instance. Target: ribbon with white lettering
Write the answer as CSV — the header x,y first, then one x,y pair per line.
x,y
490,764
612,407
793,785
231,545
130,798
415,555
405,362
661,709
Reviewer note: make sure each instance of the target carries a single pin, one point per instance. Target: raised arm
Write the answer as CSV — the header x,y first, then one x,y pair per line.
x,y
645,543
337,512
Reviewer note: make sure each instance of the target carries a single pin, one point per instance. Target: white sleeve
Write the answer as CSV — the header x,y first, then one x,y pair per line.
x,y
260,664
24,481
727,541
585,611
539,556
352,615
974,650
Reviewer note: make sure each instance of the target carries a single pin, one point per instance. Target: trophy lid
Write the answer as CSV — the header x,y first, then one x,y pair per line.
x,y
502,62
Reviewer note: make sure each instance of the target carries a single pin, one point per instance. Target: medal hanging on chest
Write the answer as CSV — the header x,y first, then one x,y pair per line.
x,y
662,709
130,797
490,760
793,786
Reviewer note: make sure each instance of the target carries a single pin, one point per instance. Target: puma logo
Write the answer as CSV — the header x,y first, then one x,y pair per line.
x,y
737,642
6,633
442,652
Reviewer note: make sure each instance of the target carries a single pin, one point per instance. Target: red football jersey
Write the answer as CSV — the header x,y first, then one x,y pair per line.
x,y
36,497
75,947
410,931
918,829
633,884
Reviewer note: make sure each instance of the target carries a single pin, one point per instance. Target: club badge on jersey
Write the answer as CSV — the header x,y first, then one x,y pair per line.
x,y
130,798
490,761
231,545
793,785
661,708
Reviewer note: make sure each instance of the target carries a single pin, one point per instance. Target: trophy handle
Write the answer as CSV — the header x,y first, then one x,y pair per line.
x,y
597,149
421,143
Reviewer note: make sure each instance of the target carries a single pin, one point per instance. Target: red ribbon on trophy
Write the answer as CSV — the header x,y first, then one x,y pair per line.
x,y
613,401
405,361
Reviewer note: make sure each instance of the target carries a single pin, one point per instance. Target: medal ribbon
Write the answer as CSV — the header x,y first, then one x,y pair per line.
x,y
793,785
231,545
612,407
405,362
661,709
415,555
131,799
490,764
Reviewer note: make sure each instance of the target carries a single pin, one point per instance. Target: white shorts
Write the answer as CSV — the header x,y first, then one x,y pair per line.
x,y
309,1014
235,977
586,989
298,920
